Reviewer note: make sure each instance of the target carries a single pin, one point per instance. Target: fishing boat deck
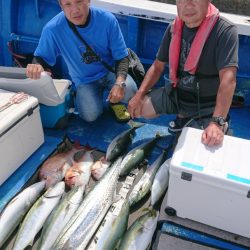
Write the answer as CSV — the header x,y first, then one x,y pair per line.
x,y
98,135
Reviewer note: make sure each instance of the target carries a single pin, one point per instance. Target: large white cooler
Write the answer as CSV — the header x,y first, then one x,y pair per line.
x,y
211,185
53,94
21,133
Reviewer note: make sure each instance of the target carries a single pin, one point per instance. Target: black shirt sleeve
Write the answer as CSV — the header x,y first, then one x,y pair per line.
x,y
39,60
163,52
121,67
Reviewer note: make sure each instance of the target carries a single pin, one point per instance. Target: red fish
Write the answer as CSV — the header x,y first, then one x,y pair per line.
x,y
53,169
79,173
99,168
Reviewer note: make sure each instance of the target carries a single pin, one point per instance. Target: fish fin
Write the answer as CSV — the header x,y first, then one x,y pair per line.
x,y
77,145
65,167
89,148
158,135
31,243
78,155
150,210
168,141
117,197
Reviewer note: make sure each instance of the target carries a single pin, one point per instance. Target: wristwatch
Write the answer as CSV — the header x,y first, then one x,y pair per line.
x,y
121,84
219,120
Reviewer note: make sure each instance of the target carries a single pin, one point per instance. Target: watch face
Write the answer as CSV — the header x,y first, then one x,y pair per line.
x,y
219,120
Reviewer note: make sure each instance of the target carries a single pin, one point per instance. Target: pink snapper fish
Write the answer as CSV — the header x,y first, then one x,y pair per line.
x,y
79,173
99,168
53,169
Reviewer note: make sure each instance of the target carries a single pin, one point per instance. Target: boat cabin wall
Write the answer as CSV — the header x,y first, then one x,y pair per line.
x,y
21,23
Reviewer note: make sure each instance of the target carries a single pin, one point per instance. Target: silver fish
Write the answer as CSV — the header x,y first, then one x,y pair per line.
x,y
146,181
136,156
160,183
140,233
14,212
113,227
82,226
37,215
60,217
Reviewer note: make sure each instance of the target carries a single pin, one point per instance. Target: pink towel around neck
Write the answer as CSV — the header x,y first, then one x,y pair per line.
x,y
197,45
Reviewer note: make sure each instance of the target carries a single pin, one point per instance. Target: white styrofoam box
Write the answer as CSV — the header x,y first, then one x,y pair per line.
x,y
21,133
211,185
48,91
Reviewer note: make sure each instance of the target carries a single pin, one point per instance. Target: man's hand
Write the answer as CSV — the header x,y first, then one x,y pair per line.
x,y
116,94
212,135
34,71
135,105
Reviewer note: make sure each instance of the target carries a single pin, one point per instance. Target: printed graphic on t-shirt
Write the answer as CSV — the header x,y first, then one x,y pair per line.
x,y
185,80
88,56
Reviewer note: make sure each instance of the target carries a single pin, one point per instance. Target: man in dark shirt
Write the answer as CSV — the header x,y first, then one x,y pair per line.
x,y
202,72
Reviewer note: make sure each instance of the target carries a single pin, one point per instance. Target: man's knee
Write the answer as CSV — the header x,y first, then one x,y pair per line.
x,y
89,117
148,110
130,89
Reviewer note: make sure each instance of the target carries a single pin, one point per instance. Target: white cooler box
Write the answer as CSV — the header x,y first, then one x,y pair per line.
x,y
211,185
53,94
21,133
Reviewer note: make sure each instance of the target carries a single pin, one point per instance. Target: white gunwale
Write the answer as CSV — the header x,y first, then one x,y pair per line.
x,y
161,12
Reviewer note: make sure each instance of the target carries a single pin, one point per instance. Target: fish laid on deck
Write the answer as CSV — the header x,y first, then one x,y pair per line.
x,y
121,142
99,168
37,215
53,170
146,181
79,173
113,227
140,233
83,224
136,156
13,214
60,217
160,183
